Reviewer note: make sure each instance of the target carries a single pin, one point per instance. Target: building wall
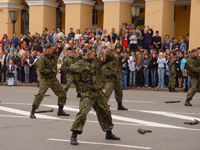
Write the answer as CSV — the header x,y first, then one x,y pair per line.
x,y
182,21
6,26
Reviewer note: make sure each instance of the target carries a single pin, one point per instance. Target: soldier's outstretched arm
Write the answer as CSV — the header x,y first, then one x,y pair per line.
x,y
78,67
125,57
60,48
107,71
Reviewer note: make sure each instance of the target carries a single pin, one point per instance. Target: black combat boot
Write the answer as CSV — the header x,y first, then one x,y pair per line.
x,y
78,95
173,90
61,112
187,103
170,89
73,139
111,136
32,114
121,107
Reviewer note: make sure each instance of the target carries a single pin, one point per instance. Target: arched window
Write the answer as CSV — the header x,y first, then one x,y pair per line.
x,y
58,17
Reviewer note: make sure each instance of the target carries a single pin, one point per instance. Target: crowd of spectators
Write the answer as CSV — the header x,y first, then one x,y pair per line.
x,y
147,66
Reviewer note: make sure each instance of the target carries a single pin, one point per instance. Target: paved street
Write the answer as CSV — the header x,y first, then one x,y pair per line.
x,y
147,110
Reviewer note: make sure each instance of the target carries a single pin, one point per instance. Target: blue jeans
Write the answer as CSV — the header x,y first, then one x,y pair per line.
x,y
16,73
153,77
26,72
146,76
161,74
124,81
132,78
184,82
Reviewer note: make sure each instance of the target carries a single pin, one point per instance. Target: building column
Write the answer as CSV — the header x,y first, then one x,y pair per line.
x,y
78,14
159,15
115,13
99,8
6,25
63,17
42,14
194,24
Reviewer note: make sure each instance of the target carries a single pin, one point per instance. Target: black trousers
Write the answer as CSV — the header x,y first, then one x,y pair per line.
x,y
22,75
139,78
133,47
4,72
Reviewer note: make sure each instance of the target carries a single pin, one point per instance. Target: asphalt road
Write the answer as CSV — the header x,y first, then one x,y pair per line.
x,y
147,110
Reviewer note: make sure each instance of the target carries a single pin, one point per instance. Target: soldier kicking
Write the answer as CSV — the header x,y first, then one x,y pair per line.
x,y
193,70
113,75
70,77
91,83
48,71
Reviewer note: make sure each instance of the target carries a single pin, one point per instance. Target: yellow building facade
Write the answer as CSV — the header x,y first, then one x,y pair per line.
x,y
173,17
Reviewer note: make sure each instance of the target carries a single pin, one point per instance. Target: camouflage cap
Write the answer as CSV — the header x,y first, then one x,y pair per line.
x,y
48,45
193,50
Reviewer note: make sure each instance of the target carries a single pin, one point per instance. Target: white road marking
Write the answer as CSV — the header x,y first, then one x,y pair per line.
x,y
106,144
126,119
25,113
132,101
168,114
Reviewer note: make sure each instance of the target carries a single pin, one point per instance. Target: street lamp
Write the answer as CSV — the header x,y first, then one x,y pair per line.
x,y
14,16
135,11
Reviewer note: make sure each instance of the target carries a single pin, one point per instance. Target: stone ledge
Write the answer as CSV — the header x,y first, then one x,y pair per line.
x,y
73,86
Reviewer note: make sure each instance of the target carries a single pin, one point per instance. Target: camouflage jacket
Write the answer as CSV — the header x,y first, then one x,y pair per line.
x,y
89,81
108,71
49,62
67,62
172,68
193,67
119,64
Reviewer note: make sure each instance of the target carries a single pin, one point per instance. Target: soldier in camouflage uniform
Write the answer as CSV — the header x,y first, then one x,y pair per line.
x,y
48,71
113,74
92,83
193,70
172,73
70,76
37,66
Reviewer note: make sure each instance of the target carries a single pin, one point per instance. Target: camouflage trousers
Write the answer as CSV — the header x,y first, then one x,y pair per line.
x,y
117,87
71,79
38,77
96,100
56,88
195,84
172,81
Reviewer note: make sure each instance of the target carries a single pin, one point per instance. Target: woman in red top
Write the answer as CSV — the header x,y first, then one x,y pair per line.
x,y
4,41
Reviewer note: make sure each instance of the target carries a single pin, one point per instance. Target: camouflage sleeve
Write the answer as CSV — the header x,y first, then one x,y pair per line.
x,y
107,71
121,57
60,49
192,68
173,69
65,66
43,69
78,67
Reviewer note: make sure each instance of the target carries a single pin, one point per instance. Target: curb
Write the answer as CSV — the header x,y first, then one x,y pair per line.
x,y
73,86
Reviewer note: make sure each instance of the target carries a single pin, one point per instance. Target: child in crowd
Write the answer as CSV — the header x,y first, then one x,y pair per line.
x,y
168,60
139,70
132,68
12,47
11,71
146,62
183,70
172,72
58,76
154,67
124,75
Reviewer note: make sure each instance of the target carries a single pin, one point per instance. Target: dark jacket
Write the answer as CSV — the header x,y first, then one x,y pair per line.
x,y
16,60
140,63
14,41
153,63
70,36
10,71
125,68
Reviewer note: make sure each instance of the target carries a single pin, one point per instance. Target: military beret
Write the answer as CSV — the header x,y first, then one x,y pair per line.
x,y
193,50
174,56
